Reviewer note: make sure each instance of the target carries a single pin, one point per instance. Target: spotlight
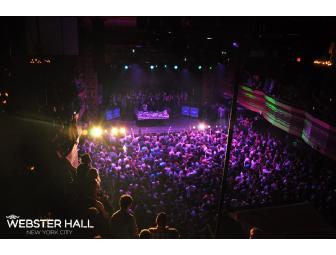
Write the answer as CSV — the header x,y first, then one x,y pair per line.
x,y
209,126
194,127
323,62
31,168
114,131
126,67
175,67
105,131
133,50
298,59
165,66
235,45
199,67
85,132
209,38
96,132
151,67
210,67
185,59
122,131
6,94
201,126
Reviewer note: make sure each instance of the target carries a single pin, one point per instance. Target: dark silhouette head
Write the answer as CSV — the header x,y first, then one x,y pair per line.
x,y
125,202
145,234
86,159
256,233
161,219
93,174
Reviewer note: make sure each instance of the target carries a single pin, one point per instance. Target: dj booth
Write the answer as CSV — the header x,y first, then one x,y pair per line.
x,y
149,118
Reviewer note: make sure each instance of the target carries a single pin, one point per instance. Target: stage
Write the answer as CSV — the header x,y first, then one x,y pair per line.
x,y
170,125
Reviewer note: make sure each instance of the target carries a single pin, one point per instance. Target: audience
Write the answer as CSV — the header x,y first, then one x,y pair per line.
x,y
180,173
256,233
162,230
122,223
145,234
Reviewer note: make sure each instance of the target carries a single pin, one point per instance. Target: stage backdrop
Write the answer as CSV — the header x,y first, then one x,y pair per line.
x,y
318,134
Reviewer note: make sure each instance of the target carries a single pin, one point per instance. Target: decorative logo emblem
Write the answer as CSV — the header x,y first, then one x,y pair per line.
x,y
12,217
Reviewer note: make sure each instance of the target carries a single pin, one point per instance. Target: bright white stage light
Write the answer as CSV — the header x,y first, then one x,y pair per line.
x,y
122,131
114,131
201,126
96,132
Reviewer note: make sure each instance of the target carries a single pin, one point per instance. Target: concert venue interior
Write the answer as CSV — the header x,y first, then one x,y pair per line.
x,y
169,127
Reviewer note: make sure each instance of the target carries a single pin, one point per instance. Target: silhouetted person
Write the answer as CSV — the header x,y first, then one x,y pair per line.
x,y
90,198
162,231
96,220
92,184
256,233
145,234
230,228
87,179
123,223
83,170
87,186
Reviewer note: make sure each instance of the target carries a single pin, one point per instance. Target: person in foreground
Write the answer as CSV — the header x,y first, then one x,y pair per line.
x,y
162,230
122,223
145,234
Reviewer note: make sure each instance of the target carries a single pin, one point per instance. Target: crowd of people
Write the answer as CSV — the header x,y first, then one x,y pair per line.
x,y
179,173
91,203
